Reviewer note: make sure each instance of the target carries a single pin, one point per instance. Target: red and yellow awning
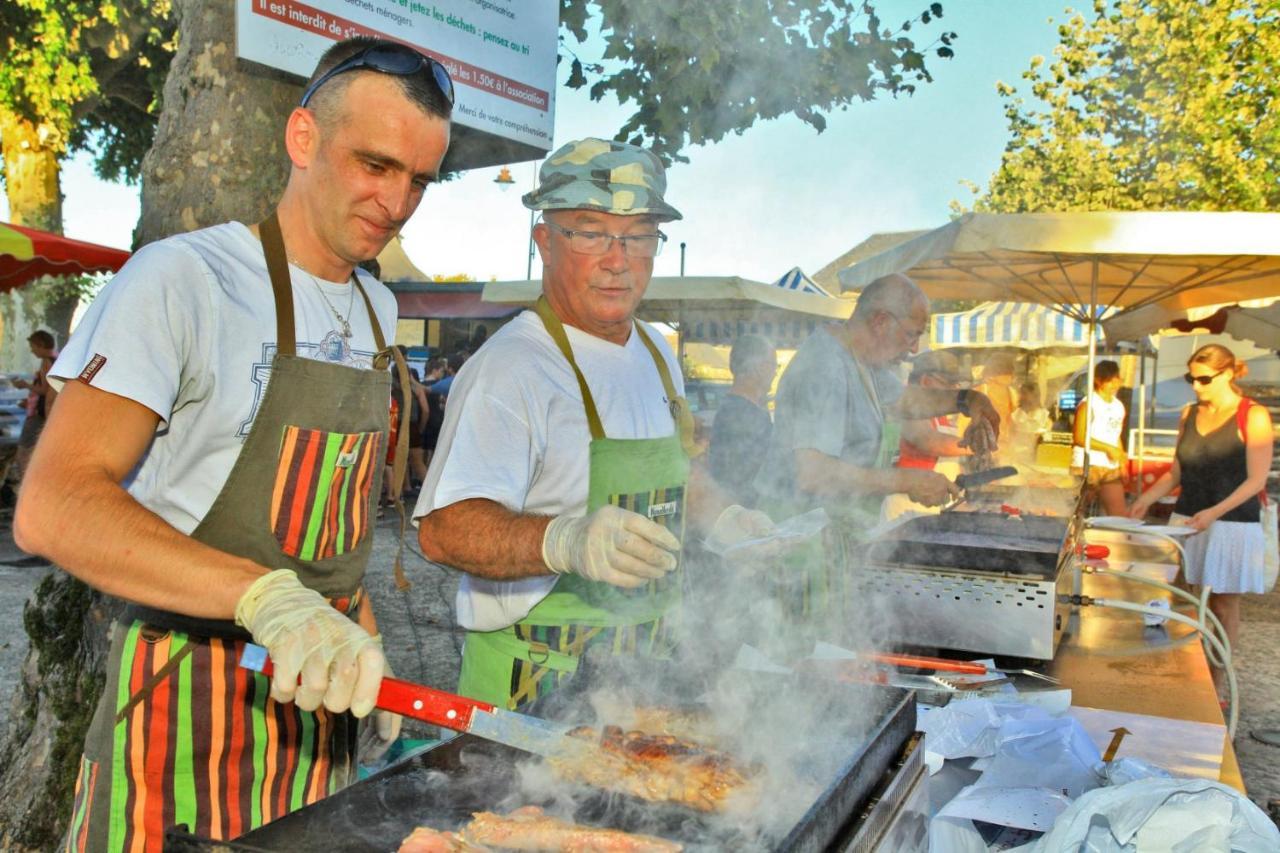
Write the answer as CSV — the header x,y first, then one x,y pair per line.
x,y
27,253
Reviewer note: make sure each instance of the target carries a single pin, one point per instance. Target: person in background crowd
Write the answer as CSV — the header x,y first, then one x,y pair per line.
x,y
997,384
40,397
740,431
417,434
925,440
1221,462
220,370
478,337
441,387
839,408
437,369
1103,415
1029,423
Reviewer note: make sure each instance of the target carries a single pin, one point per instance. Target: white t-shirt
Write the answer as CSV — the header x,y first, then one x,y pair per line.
x,y
1106,420
187,328
515,432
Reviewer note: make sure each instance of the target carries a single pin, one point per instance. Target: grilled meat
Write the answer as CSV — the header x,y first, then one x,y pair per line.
x,y
427,840
530,828
658,768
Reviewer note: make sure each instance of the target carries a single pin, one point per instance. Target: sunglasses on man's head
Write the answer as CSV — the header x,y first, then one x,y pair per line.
x,y
1202,380
394,59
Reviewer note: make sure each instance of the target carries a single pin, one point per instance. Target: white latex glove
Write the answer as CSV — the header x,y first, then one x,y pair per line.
x,y
612,545
736,524
378,730
340,663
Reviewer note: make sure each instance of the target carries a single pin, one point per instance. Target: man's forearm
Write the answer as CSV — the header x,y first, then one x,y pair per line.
x,y
919,403
97,531
484,538
825,476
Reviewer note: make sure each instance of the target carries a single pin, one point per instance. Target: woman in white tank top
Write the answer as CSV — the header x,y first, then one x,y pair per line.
x,y
1104,415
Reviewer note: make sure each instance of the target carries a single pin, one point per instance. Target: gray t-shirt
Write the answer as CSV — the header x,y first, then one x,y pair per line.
x,y
823,404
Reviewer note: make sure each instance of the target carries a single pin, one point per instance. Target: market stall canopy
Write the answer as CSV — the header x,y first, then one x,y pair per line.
x,y
796,280
1025,325
416,300
1150,262
713,309
27,253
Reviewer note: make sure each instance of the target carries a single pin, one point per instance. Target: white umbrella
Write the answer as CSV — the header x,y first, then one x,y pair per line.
x,y
1147,263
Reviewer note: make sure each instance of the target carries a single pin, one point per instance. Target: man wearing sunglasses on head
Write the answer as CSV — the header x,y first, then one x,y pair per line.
x,y
213,461
561,481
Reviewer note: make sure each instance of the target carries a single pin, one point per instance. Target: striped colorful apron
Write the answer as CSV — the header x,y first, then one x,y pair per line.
x,y
513,666
182,734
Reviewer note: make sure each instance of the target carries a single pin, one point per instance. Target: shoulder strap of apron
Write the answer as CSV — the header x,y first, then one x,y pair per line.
x,y
287,344
556,329
680,412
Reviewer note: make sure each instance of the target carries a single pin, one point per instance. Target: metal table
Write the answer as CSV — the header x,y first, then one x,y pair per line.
x,y
1110,662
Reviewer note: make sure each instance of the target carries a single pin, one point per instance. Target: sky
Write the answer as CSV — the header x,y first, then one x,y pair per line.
x,y
755,205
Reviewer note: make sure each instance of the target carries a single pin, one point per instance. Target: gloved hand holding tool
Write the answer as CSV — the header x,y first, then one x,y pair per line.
x,y
341,665
612,545
378,730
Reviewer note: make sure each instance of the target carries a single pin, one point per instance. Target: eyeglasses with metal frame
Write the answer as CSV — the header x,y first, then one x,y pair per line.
x,y
599,243
400,60
1202,380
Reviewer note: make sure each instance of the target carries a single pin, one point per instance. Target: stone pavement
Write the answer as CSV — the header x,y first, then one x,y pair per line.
x,y
423,645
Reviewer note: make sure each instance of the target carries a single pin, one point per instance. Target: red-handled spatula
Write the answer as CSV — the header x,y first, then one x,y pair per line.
x,y
458,713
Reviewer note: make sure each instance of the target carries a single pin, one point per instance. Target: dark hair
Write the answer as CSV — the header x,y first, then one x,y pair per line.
x,y
41,338
419,88
1218,357
748,351
1105,371
456,361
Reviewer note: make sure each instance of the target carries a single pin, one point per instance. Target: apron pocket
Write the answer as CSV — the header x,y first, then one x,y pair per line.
x,y
320,501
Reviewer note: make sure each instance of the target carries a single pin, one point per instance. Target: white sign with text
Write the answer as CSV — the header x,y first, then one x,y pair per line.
x,y
500,53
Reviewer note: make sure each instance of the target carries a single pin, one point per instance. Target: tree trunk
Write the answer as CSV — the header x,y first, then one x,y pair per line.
x,y
218,154
30,174
35,200
219,147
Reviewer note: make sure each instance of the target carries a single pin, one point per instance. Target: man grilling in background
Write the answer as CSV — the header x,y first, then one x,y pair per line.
x,y
740,432
837,417
561,481
246,514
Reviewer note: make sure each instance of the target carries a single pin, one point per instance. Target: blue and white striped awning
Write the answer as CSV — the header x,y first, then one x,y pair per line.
x,y
1010,324
796,280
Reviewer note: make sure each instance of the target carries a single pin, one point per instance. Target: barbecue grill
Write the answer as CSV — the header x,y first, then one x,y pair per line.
x,y
870,767
975,581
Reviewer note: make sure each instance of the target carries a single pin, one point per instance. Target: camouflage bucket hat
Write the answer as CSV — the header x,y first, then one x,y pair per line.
x,y
600,174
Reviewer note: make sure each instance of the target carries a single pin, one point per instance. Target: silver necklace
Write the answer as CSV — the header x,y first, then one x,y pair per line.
x,y
351,299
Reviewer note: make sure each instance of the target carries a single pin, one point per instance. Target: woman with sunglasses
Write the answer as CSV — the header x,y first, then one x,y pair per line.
x,y
1222,460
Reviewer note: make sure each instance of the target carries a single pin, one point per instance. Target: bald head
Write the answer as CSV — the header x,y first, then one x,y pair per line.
x,y
891,315
890,294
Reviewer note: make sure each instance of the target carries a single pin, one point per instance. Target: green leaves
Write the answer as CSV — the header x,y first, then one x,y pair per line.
x,y
1151,104
698,71
75,67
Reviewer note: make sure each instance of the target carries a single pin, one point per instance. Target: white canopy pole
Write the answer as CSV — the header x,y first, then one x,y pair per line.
x,y
1093,352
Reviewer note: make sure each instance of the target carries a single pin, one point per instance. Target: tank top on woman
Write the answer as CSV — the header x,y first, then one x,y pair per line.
x,y
1106,419
1213,466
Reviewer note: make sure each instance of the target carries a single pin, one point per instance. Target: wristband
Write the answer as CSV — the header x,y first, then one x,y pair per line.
x,y
962,401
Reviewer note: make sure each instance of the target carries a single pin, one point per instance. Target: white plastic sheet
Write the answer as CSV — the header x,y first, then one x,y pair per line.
x,y
1176,815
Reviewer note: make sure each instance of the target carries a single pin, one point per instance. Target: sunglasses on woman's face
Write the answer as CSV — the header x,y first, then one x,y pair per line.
x,y
1202,380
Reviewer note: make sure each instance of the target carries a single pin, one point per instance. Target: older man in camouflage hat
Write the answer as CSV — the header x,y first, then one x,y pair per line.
x,y
561,479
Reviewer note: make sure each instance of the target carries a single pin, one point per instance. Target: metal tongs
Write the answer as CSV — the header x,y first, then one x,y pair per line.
x,y
978,478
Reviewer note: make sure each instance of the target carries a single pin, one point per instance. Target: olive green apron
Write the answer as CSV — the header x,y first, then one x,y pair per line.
x,y
183,734
812,584
513,666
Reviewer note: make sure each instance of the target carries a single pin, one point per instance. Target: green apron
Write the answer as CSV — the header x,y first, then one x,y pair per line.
x,y
812,583
513,666
184,735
